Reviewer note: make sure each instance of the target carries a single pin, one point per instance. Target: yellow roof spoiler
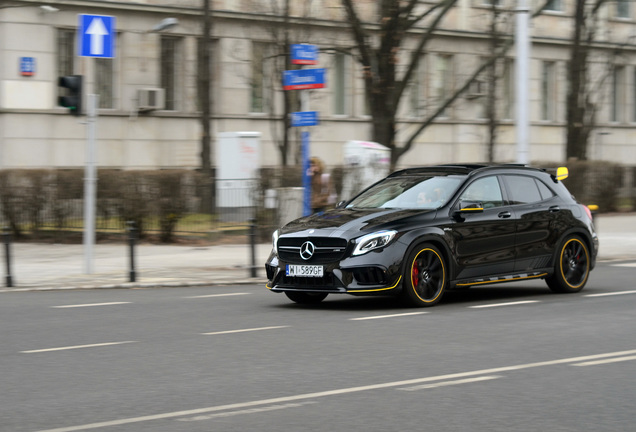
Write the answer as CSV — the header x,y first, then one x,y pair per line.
x,y
562,173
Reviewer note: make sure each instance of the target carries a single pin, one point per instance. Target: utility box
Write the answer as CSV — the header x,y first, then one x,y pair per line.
x,y
238,159
365,163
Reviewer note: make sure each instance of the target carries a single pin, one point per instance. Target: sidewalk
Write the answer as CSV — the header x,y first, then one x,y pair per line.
x,y
36,266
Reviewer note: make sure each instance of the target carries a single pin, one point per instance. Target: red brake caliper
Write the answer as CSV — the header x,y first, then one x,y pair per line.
x,y
415,275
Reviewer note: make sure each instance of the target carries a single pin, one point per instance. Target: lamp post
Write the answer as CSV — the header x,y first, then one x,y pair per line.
x,y
522,47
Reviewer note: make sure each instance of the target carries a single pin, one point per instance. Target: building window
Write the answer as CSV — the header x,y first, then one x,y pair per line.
x,y
169,62
622,9
548,91
104,81
508,90
618,92
65,55
200,77
554,5
634,96
258,94
442,80
417,96
340,87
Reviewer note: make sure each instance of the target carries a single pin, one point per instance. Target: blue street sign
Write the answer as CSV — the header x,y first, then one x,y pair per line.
x,y
96,36
27,66
304,54
304,118
303,79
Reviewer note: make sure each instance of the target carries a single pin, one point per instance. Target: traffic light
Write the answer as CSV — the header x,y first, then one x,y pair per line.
x,y
73,98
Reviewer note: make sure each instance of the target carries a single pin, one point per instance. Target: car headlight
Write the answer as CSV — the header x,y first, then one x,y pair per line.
x,y
373,241
275,235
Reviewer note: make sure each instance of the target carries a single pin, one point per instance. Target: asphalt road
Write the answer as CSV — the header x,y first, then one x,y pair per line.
x,y
503,358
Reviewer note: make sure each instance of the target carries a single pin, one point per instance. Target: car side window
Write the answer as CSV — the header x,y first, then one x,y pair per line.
x,y
523,189
546,192
485,190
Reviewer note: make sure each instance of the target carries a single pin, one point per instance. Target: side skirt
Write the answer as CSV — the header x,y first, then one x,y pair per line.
x,y
500,279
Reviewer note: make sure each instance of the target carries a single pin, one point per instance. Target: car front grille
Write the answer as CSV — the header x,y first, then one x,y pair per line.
x,y
326,250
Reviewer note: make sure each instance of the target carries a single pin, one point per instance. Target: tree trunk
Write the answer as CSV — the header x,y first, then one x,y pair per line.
x,y
576,141
206,127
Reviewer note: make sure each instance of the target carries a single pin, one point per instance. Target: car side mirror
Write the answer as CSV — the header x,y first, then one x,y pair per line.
x,y
341,204
468,207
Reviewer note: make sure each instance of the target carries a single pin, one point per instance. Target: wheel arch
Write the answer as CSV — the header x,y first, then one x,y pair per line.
x,y
579,232
440,244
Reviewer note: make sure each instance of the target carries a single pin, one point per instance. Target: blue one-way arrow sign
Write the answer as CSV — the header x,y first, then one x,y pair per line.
x,y
96,36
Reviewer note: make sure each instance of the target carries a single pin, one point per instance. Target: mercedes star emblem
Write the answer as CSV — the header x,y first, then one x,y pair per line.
x,y
307,250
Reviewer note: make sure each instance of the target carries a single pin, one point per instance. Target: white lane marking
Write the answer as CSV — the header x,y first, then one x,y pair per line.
x,y
450,383
217,295
633,264
610,294
243,330
245,411
504,304
386,316
605,361
89,305
305,396
76,347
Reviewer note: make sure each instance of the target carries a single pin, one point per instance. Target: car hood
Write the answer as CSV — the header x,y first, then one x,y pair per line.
x,y
352,222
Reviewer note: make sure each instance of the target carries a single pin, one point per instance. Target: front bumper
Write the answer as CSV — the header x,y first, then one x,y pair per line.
x,y
362,275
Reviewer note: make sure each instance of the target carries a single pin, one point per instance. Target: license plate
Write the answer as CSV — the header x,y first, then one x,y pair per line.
x,y
304,270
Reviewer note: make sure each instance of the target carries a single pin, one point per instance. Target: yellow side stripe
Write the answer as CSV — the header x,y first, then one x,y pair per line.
x,y
378,289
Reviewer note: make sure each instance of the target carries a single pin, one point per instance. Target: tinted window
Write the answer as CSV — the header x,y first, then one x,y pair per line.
x,y
522,190
408,193
546,192
485,190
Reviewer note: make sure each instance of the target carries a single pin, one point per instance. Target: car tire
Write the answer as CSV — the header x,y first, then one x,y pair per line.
x,y
572,266
305,298
425,277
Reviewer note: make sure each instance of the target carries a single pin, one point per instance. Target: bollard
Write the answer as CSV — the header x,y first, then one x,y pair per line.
x,y
132,235
253,248
6,236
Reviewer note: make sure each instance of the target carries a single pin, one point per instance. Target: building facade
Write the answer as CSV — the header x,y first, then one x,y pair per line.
x,y
149,92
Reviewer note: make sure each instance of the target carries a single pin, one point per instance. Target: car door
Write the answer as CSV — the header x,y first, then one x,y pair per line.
x,y
483,242
536,208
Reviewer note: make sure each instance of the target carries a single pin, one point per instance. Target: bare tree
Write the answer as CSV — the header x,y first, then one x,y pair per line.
x,y
289,28
378,47
581,108
492,80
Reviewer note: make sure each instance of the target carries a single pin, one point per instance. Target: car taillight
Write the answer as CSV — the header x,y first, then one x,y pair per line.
x,y
589,212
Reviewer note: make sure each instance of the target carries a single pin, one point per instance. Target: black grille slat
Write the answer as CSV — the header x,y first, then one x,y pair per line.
x,y
327,249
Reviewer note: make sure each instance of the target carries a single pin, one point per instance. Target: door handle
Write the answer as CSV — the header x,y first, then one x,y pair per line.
x,y
554,208
504,215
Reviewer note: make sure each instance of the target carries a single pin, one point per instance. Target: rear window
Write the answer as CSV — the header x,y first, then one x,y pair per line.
x,y
525,190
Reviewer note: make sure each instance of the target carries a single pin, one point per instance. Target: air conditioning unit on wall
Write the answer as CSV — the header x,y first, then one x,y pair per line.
x,y
149,99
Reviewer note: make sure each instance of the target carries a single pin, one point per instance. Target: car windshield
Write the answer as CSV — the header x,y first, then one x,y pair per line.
x,y
408,193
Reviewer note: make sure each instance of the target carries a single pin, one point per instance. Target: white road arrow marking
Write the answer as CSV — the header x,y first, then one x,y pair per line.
x,y
97,31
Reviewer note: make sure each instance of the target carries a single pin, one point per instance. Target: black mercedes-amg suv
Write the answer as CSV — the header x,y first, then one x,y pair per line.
x,y
422,231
